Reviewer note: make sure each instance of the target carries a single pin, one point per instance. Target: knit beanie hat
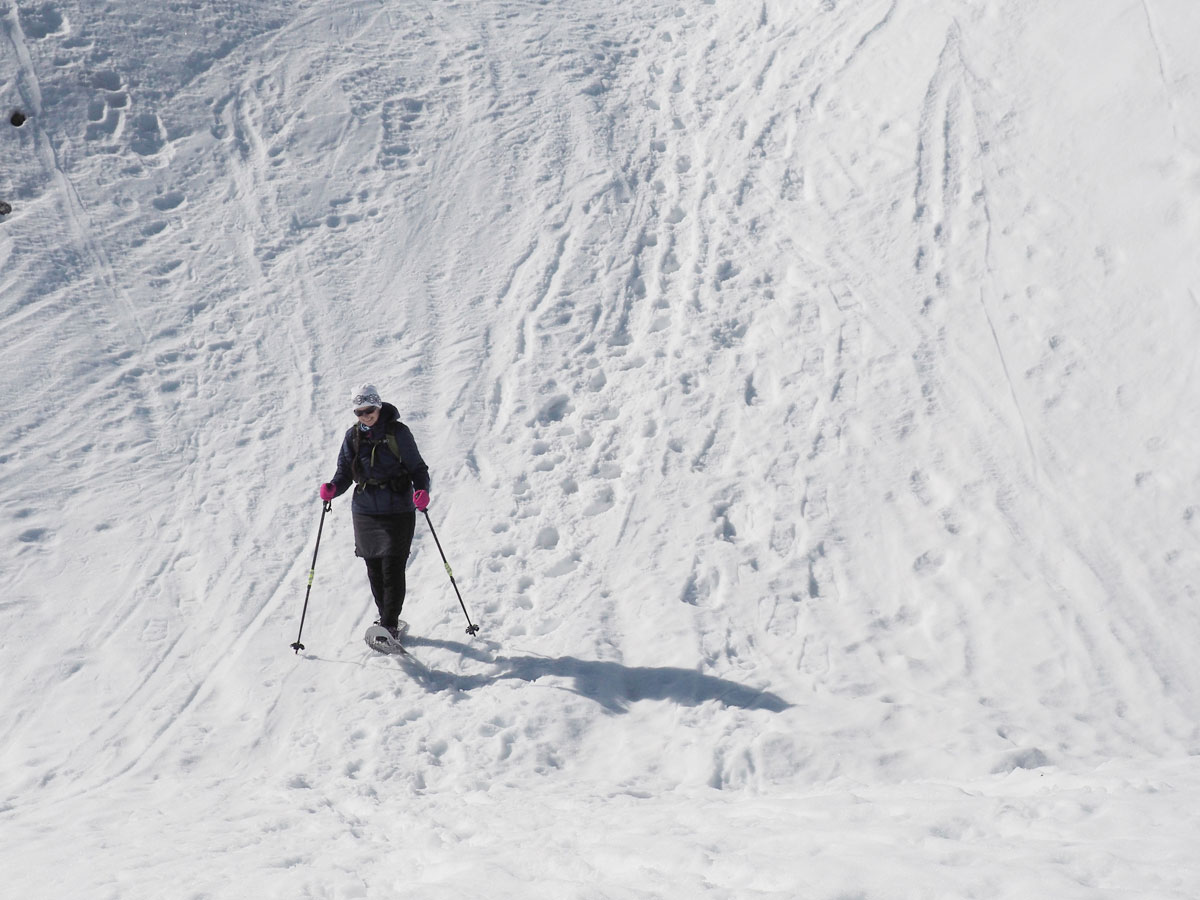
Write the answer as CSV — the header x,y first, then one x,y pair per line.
x,y
364,395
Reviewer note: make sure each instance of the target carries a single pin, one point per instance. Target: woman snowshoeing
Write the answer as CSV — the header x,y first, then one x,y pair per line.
x,y
379,457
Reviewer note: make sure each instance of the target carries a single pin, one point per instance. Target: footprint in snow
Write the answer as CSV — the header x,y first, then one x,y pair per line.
x,y
168,201
39,23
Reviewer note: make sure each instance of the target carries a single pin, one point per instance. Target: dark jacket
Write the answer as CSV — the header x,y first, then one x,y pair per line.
x,y
392,480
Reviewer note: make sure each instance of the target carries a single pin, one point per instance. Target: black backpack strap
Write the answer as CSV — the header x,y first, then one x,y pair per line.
x,y
355,444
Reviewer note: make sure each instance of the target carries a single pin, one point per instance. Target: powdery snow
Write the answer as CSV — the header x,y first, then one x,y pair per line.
x,y
809,391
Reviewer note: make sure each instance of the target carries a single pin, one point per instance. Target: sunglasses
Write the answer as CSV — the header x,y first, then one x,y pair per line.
x,y
363,413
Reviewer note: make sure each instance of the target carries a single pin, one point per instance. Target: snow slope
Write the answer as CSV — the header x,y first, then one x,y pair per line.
x,y
809,391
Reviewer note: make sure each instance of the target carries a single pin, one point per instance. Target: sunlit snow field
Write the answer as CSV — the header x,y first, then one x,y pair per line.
x,y
810,394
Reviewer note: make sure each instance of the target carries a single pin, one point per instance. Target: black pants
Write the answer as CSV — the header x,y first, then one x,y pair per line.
x,y
386,573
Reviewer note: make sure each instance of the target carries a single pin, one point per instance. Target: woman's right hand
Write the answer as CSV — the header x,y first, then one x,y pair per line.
x,y
328,491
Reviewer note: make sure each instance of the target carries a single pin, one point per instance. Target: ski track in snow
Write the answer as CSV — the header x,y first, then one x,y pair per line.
x,y
808,436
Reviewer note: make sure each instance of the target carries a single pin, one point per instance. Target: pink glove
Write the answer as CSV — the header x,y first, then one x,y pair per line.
x,y
328,491
421,500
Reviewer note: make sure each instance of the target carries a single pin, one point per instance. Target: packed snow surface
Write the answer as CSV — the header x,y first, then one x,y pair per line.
x,y
810,392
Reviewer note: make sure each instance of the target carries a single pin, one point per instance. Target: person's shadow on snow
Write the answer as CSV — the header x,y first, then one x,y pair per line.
x,y
610,684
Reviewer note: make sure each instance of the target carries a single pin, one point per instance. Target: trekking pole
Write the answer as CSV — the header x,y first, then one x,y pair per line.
x,y
311,573
471,629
